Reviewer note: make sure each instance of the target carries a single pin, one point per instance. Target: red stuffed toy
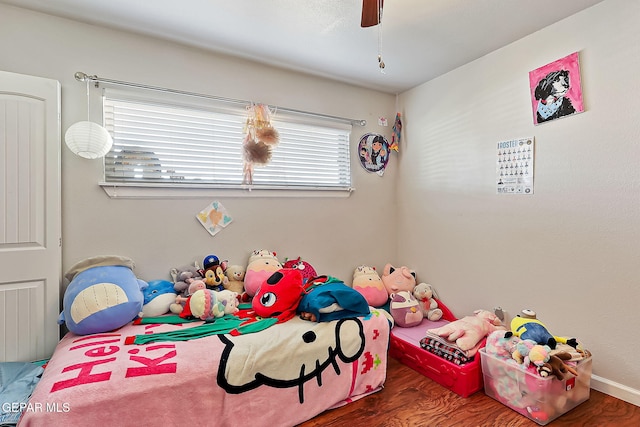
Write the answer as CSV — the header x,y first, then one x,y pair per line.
x,y
307,270
279,295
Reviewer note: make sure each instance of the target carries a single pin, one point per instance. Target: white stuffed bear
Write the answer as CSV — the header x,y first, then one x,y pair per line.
x,y
429,306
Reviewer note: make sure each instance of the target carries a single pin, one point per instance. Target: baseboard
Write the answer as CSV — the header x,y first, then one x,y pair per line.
x,y
616,390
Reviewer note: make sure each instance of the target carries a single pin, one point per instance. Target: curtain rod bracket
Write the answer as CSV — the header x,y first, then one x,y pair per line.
x,y
83,77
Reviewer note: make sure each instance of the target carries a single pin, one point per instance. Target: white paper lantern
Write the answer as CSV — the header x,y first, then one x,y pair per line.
x,y
88,140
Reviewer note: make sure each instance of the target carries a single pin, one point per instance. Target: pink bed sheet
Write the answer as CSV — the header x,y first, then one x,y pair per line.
x,y
415,333
281,376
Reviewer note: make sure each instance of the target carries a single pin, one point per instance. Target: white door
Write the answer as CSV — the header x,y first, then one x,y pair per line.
x,y
30,230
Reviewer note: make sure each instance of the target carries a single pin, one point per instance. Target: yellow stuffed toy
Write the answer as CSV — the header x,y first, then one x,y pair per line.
x,y
527,326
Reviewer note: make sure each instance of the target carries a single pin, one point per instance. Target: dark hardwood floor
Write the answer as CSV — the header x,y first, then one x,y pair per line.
x,y
410,399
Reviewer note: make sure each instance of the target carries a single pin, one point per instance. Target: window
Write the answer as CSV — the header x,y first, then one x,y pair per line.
x,y
168,144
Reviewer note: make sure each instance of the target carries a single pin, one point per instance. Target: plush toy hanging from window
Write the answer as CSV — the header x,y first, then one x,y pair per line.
x,y
260,138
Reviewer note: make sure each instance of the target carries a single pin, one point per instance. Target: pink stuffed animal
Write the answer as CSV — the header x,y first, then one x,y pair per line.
x,y
470,330
501,344
367,281
262,264
398,279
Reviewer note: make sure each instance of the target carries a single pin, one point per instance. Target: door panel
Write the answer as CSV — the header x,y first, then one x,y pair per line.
x,y
30,231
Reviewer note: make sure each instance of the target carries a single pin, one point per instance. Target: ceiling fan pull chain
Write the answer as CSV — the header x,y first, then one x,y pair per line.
x,y
380,60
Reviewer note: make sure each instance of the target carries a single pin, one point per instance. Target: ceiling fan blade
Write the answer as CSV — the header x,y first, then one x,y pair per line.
x,y
371,12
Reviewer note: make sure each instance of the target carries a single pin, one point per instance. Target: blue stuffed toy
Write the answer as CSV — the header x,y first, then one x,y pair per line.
x,y
158,297
328,298
103,294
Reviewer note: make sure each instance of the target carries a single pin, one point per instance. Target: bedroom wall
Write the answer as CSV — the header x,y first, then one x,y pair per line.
x,y
333,234
570,250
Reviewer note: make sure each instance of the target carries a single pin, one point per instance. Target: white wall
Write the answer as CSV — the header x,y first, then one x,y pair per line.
x,y
333,234
571,251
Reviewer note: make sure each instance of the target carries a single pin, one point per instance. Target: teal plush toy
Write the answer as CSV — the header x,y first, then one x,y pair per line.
x,y
158,298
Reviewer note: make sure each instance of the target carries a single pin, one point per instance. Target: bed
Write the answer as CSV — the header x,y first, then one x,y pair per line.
x,y
434,358
280,376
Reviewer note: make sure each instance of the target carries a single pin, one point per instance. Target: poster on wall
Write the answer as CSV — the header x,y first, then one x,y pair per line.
x,y
373,150
556,89
214,217
514,166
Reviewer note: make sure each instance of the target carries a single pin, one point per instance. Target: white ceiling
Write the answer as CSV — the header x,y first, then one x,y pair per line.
x,y
420,39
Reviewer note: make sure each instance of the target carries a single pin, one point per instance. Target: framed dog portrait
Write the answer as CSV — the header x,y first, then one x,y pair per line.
x,y
556,89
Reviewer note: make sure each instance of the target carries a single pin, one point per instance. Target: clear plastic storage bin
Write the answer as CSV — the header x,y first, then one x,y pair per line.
x,y
540,399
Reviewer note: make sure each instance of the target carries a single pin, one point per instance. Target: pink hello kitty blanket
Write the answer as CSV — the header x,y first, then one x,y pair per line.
x,y
281,376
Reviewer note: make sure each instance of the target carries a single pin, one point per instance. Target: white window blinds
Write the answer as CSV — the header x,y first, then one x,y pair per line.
x,y
170,144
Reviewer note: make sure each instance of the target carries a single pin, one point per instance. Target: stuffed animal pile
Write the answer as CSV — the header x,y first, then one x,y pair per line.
x,y
409,302
530,376
104,294
272,289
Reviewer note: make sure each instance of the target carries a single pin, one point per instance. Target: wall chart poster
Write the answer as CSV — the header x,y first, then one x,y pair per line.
x,y
514,166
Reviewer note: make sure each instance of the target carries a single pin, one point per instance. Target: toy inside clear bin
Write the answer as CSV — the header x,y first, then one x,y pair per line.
x,y
540,399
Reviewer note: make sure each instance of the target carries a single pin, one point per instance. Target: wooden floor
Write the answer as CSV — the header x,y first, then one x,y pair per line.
x,y
410,399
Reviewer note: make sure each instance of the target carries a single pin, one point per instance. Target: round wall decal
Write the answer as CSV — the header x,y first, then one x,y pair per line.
x,y
373,150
